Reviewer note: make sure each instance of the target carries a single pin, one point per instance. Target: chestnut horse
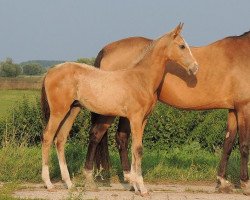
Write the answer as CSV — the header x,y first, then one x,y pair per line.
x,y
130,93
223,81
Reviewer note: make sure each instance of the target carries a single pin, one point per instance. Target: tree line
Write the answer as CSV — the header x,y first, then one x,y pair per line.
x,y
10,69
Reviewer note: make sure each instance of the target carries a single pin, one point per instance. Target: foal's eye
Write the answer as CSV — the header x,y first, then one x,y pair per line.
x,y
182,46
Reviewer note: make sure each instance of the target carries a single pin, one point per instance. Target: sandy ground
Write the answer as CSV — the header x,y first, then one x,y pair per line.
x,y
121,192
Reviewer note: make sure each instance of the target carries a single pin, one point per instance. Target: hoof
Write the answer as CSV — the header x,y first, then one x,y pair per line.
x,y
146,194
226,190
53,189
245,187
224,186
91,186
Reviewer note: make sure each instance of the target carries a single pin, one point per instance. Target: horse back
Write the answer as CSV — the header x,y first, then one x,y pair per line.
x,y
121,54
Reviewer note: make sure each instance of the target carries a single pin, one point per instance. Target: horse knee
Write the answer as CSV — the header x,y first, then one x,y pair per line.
x,y
97,132
139,151
122,140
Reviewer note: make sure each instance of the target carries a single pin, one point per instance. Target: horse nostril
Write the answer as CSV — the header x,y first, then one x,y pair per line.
x,y
193,69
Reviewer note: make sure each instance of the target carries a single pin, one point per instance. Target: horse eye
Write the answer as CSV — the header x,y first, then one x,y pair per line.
x,y
182,46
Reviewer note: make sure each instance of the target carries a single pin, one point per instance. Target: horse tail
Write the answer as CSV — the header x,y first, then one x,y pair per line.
x,y
44,104
98,59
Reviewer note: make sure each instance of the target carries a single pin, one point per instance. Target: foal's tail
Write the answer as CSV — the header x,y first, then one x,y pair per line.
x,y
44,104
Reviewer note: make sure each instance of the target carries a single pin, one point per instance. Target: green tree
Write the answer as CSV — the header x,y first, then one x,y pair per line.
x,y
9,69
33,69
88,61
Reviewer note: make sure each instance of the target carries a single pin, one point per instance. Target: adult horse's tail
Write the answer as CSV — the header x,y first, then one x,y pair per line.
x,y
44,104
102,153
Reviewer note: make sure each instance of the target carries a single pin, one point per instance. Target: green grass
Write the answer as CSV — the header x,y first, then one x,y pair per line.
x,y
189,163
9,99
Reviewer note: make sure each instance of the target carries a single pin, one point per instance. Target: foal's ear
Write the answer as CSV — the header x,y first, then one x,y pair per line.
x,y
177,30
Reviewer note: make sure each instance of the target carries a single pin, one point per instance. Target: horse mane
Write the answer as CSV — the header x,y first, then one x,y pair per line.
x,y
144,52
244,35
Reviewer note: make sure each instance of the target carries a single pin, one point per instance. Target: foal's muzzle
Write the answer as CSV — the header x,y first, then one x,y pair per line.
x,y
193,68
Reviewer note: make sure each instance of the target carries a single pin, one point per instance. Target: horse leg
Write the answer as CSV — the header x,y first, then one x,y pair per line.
x,y
48,136
96,133
223,184
244,140
102,153
60,141
122,137
135,177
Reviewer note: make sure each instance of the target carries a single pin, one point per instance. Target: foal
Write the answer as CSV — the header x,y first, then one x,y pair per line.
x,y
130,93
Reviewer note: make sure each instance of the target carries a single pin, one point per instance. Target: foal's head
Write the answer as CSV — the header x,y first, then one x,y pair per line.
x,y
179,51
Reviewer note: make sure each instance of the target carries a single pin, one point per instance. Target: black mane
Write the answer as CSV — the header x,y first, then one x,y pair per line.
x,y
246,34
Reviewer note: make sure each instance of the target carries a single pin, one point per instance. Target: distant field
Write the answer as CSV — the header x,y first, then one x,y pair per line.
x,y
8,98
22,82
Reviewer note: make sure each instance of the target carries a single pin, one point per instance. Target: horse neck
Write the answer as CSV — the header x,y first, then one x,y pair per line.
x,y
153,65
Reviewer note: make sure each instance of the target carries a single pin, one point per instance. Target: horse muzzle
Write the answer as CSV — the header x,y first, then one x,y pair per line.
x,y
193,69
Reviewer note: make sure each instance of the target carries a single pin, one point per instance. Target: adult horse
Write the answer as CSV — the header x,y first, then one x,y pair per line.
x,y
222,82
130,93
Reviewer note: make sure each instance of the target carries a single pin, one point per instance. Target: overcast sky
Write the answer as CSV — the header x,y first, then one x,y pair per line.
x,y
68,30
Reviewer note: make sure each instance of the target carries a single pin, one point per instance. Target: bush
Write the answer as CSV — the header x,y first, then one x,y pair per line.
x,y
9,69
24,124
167,127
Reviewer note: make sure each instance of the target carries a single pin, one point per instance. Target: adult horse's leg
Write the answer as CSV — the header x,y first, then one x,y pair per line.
x,y
98,129
48,136
60,141
102,153
243,115
135,176
122,138
223,184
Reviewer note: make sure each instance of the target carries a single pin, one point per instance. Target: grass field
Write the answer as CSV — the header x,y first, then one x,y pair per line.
x,y
9,98
188,163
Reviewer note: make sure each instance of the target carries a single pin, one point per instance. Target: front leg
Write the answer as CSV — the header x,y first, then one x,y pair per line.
x,y
135,177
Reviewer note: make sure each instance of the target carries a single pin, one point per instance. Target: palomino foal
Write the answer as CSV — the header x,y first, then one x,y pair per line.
x,y
130,93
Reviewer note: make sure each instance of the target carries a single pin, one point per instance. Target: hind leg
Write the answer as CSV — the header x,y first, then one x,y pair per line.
x,y
60,141
122,138
244,139
223,184
48,136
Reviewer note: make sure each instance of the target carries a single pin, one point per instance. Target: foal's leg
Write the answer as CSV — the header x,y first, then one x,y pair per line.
x,y
96,133
122,137
244,139
223,184
48,136
60,141
137,128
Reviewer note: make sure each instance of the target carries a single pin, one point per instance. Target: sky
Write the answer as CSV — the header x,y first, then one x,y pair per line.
x,y
72,29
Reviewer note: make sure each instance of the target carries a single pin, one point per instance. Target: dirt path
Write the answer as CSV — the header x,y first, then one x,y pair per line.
x,y
121,192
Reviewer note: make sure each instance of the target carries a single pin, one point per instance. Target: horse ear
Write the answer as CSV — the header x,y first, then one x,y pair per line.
x,y
177,30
